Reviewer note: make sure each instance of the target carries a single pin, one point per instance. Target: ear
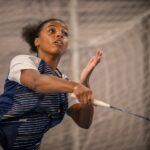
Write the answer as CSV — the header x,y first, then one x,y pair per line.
x,y
37,42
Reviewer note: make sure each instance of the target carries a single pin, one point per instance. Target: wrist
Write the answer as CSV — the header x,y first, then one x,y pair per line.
x,y
73,86
85,82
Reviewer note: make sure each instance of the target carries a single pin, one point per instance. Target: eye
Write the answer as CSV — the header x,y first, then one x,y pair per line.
x,y
65,33
51,30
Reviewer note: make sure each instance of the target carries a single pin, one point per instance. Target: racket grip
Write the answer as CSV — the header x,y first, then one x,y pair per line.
x,y
100,103
96,102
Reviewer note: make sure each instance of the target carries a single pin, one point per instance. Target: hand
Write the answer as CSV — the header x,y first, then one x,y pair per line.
x,y
93,62
83,94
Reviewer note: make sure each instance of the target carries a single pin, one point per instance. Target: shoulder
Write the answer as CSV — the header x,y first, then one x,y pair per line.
x,y
25,59
21,62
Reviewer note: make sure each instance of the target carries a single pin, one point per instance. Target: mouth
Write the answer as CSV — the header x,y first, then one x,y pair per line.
x,y
59,43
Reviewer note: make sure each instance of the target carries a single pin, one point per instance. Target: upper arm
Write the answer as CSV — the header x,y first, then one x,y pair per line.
x,y
29,78
82,114
24,70
74,111
73,107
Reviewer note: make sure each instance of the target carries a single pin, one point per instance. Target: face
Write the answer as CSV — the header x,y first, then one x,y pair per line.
x,y
53,38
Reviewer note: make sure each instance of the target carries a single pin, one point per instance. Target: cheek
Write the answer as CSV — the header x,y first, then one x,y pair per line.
x,y
45,41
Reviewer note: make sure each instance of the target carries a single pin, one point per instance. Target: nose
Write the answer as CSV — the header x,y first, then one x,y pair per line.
x,y
59,34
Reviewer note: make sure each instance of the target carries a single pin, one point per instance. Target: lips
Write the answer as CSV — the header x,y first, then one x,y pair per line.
x,y
59,43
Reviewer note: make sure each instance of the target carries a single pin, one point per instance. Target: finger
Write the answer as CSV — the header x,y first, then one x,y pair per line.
x,y
79,97
85,101
99,56
89,102
99,52
89,97
82,98
85,98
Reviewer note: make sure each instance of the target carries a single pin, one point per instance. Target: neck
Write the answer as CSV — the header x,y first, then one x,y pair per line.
x,y
51,60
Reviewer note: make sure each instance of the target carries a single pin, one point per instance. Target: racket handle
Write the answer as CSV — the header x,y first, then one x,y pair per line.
x,y
100,103
96,102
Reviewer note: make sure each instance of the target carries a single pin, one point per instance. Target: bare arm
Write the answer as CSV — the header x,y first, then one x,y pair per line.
x,y
89,68
82,113
43,83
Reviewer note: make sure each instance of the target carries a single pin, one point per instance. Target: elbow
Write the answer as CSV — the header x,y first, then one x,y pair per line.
x,y
86,118
82,117
85,125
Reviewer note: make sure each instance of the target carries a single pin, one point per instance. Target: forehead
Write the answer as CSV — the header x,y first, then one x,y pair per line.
x,y
55,24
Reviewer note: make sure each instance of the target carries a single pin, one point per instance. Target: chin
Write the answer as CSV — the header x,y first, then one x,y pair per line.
x,y
58,52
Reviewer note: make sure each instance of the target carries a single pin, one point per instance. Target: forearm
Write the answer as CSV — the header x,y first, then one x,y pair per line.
x,y
86,115
43,83
85,79
46,84
53,84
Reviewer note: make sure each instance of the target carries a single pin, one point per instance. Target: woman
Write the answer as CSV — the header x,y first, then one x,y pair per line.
x,y
35,93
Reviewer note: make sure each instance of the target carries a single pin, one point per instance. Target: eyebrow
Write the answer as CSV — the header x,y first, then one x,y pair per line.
x,y
55,26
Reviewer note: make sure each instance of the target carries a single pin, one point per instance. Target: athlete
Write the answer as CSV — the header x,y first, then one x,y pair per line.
x,y
35,96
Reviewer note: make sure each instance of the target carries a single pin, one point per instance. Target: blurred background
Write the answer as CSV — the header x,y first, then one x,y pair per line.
x,y
121,28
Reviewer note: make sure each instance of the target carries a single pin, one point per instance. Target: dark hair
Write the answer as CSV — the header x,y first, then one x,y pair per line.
x,y
30,32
